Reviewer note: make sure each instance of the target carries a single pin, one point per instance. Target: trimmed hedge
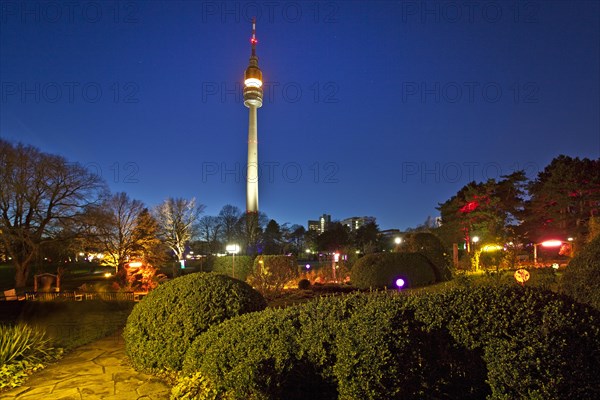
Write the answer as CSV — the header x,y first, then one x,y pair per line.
x,y
494,342
535,344
243,266
164,324
275,354
580,279
381,270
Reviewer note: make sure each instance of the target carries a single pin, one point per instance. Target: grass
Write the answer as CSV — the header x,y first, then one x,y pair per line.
x,y
74,275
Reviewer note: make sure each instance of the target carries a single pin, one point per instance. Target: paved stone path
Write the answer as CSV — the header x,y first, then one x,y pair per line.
x,y
99,370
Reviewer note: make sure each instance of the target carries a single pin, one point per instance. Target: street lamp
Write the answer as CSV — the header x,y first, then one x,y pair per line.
x,y
233,249
397,240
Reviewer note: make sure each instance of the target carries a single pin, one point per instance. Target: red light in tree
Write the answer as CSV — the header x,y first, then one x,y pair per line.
x,y
469,207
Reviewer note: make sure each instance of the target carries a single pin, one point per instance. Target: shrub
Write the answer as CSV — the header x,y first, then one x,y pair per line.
x,y
276,354
534,343
431,247
194,387
242,266
382,269
303,284
252,356
483,342
580,279
163,325
377,353
271,273
23,349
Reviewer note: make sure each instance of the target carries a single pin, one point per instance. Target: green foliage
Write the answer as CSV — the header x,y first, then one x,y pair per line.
x,y
23,350
580,279
243,266
498,342
271,273
303,284
20,342
377,353
485,209
251,356
194,387
382,269
275,354
535,344
431,247
562,198
163,325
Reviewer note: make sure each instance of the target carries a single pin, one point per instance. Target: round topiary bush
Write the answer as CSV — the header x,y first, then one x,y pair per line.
x,y
381,270
164,324
431,247
580,279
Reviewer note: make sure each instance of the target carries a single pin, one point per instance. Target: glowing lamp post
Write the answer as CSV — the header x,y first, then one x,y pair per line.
x,y
233,249
397,240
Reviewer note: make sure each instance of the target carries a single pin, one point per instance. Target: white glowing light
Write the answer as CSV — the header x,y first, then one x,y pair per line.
x,y
253,82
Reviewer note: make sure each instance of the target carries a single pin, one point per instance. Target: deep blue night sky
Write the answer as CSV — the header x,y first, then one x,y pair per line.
x,y
371,108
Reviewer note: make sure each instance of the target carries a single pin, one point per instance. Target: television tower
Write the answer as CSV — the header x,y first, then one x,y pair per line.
x,y
253,95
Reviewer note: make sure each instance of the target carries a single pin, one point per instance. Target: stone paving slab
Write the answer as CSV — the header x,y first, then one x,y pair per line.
x,y
96,371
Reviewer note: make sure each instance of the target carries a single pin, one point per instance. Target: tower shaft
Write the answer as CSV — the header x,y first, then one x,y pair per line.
x,y
252,167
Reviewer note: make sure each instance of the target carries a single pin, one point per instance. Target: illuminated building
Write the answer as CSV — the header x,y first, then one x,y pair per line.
x,y
356,222
321,225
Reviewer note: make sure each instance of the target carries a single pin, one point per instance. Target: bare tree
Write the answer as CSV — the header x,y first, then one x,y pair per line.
x,y
230,217
39,194
178,222
210,229
124,230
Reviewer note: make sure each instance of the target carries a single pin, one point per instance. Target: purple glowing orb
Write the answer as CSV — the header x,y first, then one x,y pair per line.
x,y
400,282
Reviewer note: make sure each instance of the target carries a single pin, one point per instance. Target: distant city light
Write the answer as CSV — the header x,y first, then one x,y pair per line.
x,y
398,240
